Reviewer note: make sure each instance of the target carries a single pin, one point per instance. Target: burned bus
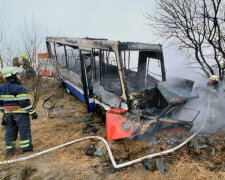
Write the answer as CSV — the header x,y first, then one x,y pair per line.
x,y
124,79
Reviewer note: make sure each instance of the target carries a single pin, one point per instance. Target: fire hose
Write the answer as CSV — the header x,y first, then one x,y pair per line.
x,y
115,165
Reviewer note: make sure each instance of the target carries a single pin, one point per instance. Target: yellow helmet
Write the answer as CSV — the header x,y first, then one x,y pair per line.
x,y
23,56
9,71
214,78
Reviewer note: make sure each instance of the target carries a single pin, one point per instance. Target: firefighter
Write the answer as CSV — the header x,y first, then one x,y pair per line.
x,y
29,71
15,103
213,82
16,62
213,96
25,62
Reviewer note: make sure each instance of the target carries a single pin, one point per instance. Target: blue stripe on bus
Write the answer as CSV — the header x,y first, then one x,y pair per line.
x,y
80,96
77,93
91,106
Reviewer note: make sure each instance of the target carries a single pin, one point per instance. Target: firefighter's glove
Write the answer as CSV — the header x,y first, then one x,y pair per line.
x,y
34,116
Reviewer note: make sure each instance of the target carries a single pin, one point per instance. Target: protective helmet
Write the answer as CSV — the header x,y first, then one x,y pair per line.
x,y
214,78
9,71
24,56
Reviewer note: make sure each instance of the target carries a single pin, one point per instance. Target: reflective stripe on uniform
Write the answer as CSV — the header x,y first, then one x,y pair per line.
x,y
32,112
7,96
16,111
10,144
26,108
213,90
13,98
21,95
24,141
25,145
9,147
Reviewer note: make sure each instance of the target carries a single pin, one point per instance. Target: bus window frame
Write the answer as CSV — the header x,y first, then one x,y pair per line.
x,y
101,56
56,56
158,57
71,69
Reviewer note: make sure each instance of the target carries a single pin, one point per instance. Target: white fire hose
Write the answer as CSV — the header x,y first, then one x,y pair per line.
x,y
117,166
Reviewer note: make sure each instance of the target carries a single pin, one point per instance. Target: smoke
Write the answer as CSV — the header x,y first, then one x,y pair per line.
x,y
176,66
205,96
214,119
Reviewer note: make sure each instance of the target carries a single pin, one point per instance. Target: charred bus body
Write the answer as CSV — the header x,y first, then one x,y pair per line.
x,y
125,78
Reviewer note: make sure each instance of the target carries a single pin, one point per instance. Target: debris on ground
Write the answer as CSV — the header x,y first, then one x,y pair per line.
x,y
90,129
90,150
147,164
86,119
153,141
161,166
49,107
99,152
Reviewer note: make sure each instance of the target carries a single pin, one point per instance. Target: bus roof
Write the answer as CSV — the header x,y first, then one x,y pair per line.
x,y
105,44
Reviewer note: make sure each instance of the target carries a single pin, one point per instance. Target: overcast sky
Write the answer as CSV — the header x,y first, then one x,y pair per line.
x,y
112,19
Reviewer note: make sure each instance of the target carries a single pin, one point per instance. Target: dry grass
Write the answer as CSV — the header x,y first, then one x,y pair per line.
x,y
71,161
189,169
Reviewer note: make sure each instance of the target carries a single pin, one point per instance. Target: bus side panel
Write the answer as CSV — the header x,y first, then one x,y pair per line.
x,y
80,95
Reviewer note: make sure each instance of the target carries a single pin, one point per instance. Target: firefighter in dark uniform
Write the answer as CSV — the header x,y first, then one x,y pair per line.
x,y
29,71
25,62
213,97
15,103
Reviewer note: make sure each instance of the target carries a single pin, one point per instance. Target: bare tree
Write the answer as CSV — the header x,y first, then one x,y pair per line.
x,y
196,27
11,50
31,37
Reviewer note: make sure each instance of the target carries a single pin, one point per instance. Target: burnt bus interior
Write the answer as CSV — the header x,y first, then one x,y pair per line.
x,y
101,66
105,71
141,78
